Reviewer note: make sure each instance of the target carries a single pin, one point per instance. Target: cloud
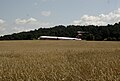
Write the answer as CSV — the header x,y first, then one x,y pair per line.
x,y
25,21
2,26
102,19
23,24
29,24
2,21
36,3
46,13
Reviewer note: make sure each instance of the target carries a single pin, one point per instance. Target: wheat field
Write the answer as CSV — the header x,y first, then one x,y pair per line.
x,y
57,60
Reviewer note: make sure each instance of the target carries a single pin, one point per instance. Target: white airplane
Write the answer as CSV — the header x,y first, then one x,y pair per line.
x,y
57,38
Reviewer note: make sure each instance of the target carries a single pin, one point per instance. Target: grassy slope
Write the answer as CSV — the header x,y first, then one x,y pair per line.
x,y
59,60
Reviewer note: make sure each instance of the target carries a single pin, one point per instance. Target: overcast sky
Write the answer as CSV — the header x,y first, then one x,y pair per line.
x,y
23,15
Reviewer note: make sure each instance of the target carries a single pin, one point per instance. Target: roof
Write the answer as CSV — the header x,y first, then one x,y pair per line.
x,y
59,38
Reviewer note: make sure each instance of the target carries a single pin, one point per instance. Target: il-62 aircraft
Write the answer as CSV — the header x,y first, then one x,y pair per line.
x,y
57,38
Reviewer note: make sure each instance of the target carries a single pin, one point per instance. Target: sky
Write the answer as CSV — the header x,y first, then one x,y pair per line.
x,y
25,15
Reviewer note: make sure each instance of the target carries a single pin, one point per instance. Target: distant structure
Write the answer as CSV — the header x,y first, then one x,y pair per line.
x,y
80,34
56,38
78,37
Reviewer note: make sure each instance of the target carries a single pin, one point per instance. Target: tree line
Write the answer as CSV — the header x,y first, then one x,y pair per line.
x,y
100,33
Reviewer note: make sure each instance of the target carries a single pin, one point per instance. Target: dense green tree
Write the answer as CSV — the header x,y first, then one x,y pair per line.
x,y
109,32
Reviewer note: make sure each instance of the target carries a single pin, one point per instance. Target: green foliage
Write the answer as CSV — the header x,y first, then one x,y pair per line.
x,y
109,32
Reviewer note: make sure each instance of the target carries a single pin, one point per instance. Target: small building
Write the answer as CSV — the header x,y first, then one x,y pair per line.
x,y
80,34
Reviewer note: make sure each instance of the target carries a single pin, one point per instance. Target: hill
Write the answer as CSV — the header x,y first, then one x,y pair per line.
x,y
109,32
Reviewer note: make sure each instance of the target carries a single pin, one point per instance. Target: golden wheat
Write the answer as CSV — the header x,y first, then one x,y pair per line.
x,y
59,61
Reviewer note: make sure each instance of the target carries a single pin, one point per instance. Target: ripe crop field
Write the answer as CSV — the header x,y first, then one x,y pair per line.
x,y
51,60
